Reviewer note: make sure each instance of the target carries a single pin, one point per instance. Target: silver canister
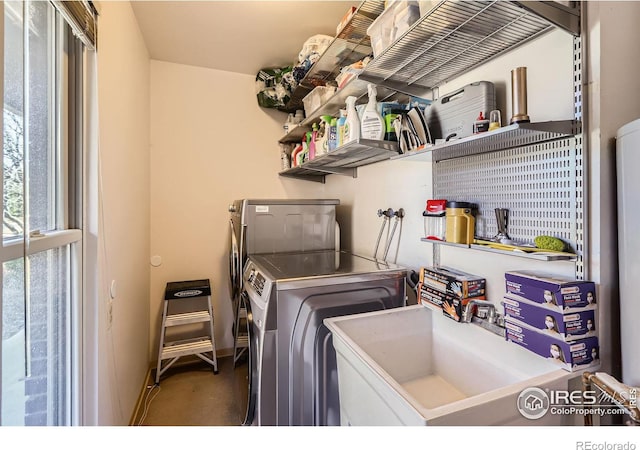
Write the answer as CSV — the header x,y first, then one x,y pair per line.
x,y
519,95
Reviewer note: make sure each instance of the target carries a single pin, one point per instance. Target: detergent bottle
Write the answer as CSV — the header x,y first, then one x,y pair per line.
x,y
333,134
322,141
311,140
340,127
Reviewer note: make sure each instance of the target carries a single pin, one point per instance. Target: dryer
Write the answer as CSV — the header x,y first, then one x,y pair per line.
x,y
265,226
294,374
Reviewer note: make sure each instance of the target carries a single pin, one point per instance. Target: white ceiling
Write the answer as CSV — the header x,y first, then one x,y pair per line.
x,y
237,36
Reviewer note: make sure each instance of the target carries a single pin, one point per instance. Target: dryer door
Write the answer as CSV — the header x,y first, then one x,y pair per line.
x,y
235,276
252,359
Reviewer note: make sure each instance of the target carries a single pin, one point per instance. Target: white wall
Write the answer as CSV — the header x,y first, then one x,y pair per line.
x,y
613,101
123,90
210,144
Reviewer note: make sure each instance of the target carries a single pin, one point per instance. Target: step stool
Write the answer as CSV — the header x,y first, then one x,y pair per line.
x,y
173,350
240,329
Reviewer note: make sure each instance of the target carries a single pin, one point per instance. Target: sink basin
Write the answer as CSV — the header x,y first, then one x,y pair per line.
x,y
413,366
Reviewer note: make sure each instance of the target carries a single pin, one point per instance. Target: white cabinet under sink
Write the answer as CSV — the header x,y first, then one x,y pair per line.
x,y
413,366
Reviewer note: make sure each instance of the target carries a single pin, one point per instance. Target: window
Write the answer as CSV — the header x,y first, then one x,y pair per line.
x,y
42,238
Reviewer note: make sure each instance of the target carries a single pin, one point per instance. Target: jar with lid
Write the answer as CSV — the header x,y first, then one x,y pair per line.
x,y
435,222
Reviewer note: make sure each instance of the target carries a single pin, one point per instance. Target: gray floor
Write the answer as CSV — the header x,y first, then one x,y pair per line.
x,y
191,395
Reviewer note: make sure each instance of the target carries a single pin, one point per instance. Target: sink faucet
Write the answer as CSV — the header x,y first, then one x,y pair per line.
x,y
486,310
487,314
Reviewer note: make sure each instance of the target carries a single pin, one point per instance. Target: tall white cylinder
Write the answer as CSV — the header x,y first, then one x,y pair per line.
x,y
628,175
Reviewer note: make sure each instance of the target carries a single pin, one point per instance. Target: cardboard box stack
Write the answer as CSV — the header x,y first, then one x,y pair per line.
x,y
553,317
449,289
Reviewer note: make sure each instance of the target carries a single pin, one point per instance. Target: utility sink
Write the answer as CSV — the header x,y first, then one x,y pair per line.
x,y
413,366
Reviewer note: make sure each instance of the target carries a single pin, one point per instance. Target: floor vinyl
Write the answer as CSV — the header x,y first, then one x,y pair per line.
x,y
191,395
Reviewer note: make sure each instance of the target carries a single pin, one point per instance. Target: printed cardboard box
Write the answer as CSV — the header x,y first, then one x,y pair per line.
x,y
576,324
429,295
453,281
576,355
550,290
451,305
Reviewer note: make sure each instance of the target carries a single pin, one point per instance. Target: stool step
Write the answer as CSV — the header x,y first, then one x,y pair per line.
x,y
183,348
242,314
187,318
199,346
242,341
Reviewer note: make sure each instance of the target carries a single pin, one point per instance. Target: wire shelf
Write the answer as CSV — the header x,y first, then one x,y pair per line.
x,y
350,45
355,87
454,37
344,160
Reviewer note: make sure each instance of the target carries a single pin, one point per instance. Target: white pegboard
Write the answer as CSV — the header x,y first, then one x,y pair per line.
x,y
537,183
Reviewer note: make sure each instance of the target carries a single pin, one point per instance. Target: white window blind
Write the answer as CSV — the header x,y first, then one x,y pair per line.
x,y
81,15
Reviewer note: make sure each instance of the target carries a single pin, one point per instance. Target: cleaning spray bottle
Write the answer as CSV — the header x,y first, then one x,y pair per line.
x,y
352,125
322,141
295,158
372,122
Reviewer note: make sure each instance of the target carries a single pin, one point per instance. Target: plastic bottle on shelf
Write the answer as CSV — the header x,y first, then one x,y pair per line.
x,y
295,158
372,126
333,134
285,156
311,140
299,117
352,125
288,125
340,127
322,138
303,156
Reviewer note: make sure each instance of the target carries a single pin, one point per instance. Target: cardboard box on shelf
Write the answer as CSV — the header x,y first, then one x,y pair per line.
x,y
550,290
450,304
571,356
453,281
570,326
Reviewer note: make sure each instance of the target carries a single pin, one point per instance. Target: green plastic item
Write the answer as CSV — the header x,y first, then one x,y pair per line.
x,y
549,243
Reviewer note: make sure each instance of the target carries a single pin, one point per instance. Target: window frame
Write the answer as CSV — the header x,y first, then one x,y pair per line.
x,y
67,121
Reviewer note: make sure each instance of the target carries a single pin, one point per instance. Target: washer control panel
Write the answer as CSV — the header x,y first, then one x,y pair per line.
x,y
256,280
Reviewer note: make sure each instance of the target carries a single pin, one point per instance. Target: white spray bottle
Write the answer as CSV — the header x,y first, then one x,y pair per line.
x,y
352,125
372,122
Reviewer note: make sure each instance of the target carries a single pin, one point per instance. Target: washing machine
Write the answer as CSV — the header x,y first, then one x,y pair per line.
x,y
294,375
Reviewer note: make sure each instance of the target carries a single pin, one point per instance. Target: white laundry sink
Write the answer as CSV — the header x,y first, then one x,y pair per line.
x,y
413,366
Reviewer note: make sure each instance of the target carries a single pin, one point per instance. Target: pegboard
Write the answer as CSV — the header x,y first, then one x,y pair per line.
x,y
537,183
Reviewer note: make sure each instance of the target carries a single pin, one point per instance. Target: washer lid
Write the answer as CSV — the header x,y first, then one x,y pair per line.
x,y
285,266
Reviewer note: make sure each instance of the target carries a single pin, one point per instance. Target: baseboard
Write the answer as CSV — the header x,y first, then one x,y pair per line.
x,y
137,411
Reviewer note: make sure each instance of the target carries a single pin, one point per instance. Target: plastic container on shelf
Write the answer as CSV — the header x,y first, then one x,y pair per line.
x,y
316,98
381,30
404,18
426,6
384,30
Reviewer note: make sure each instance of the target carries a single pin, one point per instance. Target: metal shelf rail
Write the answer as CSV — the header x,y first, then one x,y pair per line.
x,y
456,36
511,136
344,160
